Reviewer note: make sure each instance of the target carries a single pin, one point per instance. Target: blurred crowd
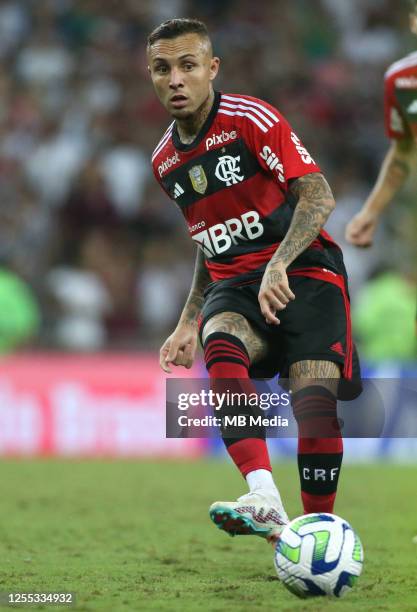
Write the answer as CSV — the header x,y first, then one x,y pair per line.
x,y
102,253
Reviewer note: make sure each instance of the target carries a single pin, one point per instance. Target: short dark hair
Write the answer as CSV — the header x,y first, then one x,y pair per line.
x,y
177,27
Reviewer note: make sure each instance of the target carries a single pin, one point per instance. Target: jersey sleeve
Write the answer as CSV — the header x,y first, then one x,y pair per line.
x,y
395,125
280,152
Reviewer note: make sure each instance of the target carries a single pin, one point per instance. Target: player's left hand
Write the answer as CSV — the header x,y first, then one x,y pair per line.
x,y
275,292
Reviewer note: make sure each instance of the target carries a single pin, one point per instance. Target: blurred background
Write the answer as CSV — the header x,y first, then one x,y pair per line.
x,y
95,261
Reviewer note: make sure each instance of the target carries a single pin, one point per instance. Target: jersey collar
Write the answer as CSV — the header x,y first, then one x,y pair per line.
x,y
202,133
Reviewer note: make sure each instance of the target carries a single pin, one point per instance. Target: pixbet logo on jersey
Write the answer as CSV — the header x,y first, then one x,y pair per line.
x,y
220,237
217,139
168,163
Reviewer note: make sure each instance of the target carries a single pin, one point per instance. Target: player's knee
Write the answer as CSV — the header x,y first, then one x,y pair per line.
x,y
231,323
220,347
307,373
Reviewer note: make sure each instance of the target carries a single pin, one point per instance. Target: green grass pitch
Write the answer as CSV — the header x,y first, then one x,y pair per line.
x,y
133,535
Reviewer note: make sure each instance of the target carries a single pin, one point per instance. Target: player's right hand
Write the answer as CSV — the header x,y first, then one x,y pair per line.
x,y
180,348
274,293
361,229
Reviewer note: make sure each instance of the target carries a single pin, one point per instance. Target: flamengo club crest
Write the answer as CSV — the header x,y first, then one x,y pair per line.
x,y
227,170
198,179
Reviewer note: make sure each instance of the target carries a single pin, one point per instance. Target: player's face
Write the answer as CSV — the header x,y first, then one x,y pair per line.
x,y
182,70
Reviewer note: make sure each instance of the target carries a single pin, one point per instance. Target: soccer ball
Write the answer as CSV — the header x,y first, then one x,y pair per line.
x,y
318,554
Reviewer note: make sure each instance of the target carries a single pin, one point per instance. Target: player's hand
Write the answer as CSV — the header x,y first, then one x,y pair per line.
x,y
180,348
275,292
361,229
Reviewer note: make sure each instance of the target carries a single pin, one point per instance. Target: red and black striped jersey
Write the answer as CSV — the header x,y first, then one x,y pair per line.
x,y
400,98
232,186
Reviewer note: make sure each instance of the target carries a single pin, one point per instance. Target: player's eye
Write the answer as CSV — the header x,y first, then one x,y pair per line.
x,y
161,69
188,66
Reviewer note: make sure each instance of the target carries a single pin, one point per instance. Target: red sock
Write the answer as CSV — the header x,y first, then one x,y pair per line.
x,y
249,454
226,357
318,503
320,447
313,449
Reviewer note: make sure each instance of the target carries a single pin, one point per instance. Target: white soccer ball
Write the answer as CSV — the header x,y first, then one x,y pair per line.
x,y
318,554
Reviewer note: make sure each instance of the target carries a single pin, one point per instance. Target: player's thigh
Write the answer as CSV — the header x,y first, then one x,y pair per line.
x,y
315,372
237,325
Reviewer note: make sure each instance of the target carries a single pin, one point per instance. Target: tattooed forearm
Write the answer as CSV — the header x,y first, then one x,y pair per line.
x,y
398,171
200,281
399,162
315,203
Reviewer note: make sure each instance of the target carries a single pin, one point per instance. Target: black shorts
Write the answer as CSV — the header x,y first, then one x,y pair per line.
x,y
314,326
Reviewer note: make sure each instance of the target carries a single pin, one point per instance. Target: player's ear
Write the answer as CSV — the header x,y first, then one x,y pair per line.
x,y
214,67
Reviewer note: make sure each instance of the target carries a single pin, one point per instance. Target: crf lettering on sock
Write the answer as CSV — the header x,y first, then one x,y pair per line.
x,y
320,474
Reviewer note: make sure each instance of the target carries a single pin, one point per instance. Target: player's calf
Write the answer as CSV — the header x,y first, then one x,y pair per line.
x,y
320,447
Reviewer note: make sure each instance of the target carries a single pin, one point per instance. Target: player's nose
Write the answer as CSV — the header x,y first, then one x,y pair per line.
x,y
176,79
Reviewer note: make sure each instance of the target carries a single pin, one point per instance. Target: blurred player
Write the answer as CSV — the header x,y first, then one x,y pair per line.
x,y
269,286
400,101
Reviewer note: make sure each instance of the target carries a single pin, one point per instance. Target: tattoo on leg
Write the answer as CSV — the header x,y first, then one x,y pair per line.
x,y
308,372
236,325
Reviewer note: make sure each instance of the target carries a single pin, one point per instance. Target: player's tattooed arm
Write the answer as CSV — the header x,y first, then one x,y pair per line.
x,y
399,162
195,298
315,203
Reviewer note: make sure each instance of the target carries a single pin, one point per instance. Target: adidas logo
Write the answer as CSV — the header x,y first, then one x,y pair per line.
x,y
178,190
338,348
412,109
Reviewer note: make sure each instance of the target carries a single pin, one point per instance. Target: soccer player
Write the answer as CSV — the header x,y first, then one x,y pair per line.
x,y
269,291
400,101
